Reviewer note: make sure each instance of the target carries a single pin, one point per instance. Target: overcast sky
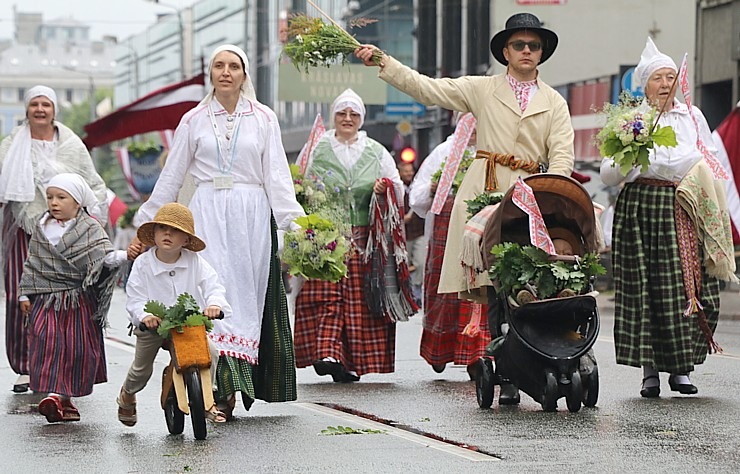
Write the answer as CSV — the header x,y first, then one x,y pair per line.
x,y
121,18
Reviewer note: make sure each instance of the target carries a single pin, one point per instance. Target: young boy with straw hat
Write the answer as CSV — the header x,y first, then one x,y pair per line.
x,y
168,269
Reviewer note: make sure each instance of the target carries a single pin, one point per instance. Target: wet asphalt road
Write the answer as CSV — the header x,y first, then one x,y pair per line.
x,y
622,433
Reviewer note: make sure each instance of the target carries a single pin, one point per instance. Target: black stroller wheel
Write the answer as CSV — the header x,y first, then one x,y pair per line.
x,y
575,393
484,385
591,388
550,395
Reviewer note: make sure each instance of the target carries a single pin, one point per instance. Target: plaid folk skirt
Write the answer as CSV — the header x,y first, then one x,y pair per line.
x,y
649,325
66,348
445,316
15,251
333,320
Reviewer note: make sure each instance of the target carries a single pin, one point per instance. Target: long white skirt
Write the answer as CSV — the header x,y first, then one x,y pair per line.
x,y
235,225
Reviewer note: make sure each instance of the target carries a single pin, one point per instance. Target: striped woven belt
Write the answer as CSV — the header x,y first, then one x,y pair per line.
x,y
656,182
506,160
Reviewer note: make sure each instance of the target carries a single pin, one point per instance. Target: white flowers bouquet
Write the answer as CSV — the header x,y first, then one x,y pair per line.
x,y
630,132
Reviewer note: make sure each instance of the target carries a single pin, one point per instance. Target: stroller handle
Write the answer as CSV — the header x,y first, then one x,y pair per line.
x,y
143,327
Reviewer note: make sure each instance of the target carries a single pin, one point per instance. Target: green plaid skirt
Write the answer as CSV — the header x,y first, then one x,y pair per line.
x,y
274,379
649,326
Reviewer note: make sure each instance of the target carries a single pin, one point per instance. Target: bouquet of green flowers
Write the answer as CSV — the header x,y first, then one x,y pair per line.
x,y
313,43
465,162
630,132
316,198
185,312
317,250
481,201
529,267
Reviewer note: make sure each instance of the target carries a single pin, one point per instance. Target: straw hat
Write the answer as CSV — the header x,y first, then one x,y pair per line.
x,y
174,215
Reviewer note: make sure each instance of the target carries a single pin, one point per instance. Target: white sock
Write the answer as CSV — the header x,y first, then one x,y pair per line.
x,y
650,377
681,379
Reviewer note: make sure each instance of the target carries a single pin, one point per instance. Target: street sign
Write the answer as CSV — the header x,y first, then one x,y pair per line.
x,y
404,128
630,82
405,108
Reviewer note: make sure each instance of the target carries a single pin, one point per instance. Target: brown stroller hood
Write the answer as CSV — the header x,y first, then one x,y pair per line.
x,y
565,205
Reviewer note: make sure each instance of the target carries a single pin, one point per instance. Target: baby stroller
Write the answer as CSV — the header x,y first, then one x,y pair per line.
x,y
543,347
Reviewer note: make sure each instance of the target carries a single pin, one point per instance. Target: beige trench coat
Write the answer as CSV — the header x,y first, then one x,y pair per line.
x,y
543,133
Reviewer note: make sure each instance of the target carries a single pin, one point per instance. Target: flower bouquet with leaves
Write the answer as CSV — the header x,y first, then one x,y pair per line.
x,y
481,201
630,132
184,313
317,250
314,43
316,198
530,268
465,162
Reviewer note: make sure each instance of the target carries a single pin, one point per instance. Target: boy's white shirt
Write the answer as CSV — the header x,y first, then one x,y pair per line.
x,y
152,279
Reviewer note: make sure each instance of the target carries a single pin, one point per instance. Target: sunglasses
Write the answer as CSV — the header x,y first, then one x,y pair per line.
x,y
534,46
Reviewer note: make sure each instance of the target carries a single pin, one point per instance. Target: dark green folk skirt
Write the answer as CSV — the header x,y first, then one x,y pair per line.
x,y
649,325
274,379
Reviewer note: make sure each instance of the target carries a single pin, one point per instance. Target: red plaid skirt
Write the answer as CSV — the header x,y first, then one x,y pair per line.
x,y
445,316
333,320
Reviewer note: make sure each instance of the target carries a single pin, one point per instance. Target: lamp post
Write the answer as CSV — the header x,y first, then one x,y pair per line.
x,y
181,34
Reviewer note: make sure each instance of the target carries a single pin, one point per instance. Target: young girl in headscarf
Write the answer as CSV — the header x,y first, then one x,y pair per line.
x,y
66,288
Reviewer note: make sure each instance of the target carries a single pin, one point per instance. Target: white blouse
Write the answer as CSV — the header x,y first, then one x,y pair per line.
x,y
668,163
256,158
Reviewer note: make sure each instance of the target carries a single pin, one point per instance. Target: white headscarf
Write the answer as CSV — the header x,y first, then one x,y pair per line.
x,y
73,184
348,98
16,178
650,61
41,91
247,88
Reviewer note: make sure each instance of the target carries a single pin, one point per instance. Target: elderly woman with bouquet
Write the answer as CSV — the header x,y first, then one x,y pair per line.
x,y
335,331
671,240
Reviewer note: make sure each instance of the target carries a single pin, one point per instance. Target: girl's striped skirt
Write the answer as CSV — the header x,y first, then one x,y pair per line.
x,y
649,325
66,348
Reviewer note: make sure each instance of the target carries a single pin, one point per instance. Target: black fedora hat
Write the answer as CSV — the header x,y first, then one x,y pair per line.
x,y
520,22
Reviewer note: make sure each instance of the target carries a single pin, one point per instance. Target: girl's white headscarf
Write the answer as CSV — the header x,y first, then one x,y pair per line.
x,y
650,61
16,178
76,187
247,88
348,98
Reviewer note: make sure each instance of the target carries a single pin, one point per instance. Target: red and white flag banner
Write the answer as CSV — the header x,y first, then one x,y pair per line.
x,y
160,110
683,76
123,160
523,198
460,139
317,130
727,139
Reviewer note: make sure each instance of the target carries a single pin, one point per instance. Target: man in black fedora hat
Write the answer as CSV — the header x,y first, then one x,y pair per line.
x,y
523,126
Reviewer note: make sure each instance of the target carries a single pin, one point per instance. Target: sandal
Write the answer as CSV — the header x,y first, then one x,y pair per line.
x,y
226,408
69,411
51,408
216,415
126,412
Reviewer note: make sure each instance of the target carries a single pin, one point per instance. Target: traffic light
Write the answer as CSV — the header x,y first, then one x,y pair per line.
x,y
408,155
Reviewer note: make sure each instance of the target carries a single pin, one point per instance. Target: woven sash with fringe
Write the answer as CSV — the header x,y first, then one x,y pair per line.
x,y
470,255
388,286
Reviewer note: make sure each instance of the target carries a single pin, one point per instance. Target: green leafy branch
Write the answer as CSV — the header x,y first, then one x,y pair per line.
x,y
185,312
346,430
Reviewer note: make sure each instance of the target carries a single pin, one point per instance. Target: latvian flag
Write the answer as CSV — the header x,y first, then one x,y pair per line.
x,y
727,139
160,110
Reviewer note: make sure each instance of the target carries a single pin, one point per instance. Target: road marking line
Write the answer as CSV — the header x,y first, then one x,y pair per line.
x,y
391,430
